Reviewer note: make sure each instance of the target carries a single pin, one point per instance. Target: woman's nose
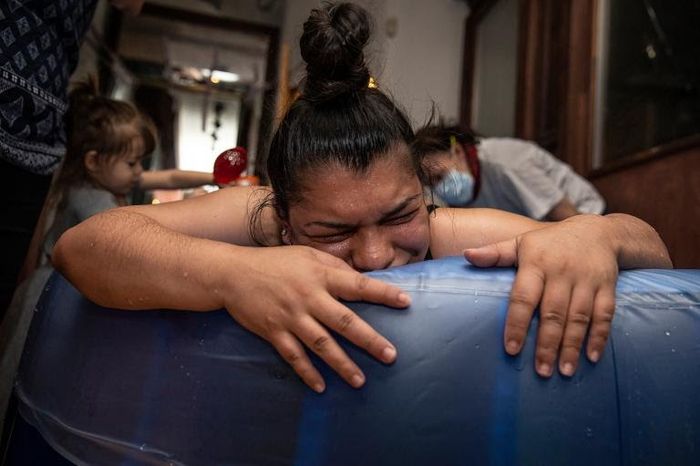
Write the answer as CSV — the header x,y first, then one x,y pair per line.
x,y
372,251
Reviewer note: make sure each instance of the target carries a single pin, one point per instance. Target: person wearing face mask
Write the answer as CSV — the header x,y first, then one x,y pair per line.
x,y
502,173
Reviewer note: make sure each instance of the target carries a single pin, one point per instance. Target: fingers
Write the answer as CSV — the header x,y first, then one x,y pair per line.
x,y
577,322
352,327
502,254
354,286
526,293
603,311
291,351
565,317
317,338
553,318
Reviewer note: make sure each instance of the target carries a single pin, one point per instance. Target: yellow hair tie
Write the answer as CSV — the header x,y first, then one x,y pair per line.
x,y
453,141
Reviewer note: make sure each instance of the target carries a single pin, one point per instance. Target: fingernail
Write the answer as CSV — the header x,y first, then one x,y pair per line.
x,y
512,347
357,380
319,388
404,299
545,370
388,354
595,356
568,369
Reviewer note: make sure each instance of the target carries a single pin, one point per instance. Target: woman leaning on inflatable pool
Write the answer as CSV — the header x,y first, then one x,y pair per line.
x,y
347,197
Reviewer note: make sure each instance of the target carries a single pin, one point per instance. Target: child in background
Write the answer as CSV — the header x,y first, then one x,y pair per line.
x,y
106,141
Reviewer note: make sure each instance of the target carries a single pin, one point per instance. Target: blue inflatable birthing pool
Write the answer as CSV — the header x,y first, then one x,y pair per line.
x,y
102,386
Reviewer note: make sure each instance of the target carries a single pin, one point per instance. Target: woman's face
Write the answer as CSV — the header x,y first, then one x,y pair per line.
x,y
372,220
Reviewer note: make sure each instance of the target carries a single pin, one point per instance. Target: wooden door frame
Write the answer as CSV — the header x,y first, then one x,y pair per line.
x,y
575,114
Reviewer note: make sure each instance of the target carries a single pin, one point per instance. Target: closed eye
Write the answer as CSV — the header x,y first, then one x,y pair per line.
x,y
401,219
332,237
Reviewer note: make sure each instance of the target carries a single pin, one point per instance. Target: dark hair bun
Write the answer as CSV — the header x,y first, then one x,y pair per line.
x,y
331,45
83,92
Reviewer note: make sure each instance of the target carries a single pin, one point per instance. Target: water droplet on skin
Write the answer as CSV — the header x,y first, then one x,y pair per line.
x,y
668,334
92,244
185,274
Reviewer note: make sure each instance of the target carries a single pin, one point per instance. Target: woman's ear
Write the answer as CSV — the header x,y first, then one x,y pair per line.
x,y
92,164
286,234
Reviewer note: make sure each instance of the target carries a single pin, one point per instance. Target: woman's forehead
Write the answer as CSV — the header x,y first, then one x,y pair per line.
x,y
339,192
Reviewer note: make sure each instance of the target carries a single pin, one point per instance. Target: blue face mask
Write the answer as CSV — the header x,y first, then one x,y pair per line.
x,y
456,188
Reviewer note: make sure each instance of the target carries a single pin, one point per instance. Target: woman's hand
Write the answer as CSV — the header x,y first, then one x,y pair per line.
x,y
288,295
570,270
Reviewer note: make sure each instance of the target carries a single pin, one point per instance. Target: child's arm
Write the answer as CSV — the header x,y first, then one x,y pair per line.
x,y
180,256
568,268
174,179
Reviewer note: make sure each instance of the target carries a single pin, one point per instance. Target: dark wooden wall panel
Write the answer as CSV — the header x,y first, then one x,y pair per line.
x,y
666,193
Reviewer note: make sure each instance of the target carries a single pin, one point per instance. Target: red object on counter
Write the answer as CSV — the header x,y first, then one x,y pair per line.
x,y
230,164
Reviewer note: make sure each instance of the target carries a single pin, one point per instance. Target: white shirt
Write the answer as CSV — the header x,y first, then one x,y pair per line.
x,y
521,177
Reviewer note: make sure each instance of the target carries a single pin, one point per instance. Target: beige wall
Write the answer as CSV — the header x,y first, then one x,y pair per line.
x,y
420,64
424,59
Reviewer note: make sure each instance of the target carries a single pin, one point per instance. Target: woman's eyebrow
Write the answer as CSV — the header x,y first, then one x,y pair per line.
x,y
334,225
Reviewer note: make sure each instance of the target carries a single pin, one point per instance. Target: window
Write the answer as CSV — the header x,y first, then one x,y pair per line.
x,y
649,76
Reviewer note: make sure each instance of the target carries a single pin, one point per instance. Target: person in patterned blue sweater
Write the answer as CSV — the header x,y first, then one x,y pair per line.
x,y
39,47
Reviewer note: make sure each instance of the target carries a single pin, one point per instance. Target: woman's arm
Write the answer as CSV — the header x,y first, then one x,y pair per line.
x,y
174,179
181,256
454,230
223,215
568,268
